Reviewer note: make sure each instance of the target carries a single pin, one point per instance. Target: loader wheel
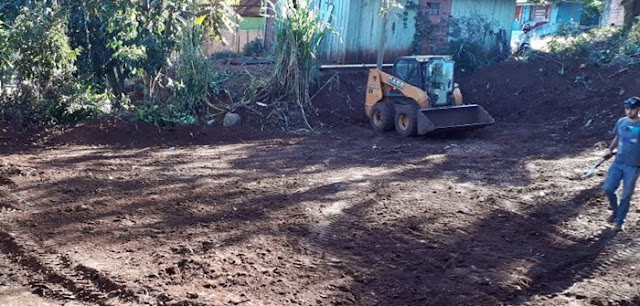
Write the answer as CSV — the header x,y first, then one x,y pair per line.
x,y
406,121
382,117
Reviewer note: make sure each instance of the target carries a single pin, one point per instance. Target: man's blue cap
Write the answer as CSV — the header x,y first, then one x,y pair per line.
x,y
631,102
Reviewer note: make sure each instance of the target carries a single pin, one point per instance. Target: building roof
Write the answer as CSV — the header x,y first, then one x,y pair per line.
x,y
528,2
248,8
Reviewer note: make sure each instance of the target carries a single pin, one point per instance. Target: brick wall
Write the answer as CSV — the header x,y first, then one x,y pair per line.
x,y
438,13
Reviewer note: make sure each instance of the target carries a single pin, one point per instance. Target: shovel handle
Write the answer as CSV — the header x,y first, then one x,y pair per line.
x,y
605,158
593,167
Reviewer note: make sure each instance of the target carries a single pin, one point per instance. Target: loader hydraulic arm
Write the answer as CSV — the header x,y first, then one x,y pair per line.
x,y
381,85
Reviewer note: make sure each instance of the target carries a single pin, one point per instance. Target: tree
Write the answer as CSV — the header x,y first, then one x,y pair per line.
x,y
384,16
631,11
74,55
41,48
124,38
592,12
117,39
4,55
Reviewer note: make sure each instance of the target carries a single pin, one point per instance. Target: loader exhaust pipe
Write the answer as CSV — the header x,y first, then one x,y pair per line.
x,y
450,119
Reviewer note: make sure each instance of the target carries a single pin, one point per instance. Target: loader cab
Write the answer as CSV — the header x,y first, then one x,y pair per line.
x,y
408,69
433,74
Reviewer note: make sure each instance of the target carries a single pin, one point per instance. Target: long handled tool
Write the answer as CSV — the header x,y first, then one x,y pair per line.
x,y
593,167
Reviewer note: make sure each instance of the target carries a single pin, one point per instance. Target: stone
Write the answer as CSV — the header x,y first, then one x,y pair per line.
x,y
232,119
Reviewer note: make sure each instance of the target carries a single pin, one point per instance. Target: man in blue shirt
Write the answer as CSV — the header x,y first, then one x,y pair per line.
x,y
626,166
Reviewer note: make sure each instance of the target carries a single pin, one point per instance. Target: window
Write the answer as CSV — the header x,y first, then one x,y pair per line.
x,y
539,13
433,8
407,70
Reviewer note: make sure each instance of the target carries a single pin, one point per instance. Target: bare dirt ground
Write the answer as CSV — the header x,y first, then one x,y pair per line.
x,y
120,213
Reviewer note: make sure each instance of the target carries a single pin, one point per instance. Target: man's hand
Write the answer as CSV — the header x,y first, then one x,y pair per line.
x,y
608,154
612,147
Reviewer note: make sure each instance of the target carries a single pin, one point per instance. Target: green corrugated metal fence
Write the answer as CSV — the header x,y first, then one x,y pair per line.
x,y
500,13
357,23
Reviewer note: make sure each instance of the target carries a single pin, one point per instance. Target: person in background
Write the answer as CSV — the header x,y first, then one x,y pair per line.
x,y
525,40
626,166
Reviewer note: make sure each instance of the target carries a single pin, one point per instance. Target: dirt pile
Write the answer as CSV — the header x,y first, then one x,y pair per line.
x,y
547,90
538,92
585,98
340,101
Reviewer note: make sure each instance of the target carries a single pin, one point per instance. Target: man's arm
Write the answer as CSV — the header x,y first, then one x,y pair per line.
x,y
612,146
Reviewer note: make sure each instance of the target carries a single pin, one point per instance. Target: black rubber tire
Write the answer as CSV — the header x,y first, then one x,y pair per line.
x,y
382,116
406,121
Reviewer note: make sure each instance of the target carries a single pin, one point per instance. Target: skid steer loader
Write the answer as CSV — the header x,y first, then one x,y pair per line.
x,y
419,97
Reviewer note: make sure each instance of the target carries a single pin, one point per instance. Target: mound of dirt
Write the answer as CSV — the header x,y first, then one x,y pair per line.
x,y
117,132
548,90
340,100
585,98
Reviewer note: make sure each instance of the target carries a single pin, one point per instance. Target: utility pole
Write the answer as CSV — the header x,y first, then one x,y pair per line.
x,y
383,33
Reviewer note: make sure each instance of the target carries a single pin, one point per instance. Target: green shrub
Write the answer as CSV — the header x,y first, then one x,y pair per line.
x,y
41,46
630,48
164,116
22,107
64,102
43,62
634,32
601,57
602,46
79,105
467,55
5,56
473,35
67,57
591,12
254,48
193,86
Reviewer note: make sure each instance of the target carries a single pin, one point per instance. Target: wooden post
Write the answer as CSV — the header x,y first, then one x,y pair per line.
x,y
383,33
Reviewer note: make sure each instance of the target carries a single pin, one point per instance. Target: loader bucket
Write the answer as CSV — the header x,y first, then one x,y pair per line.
x,y
455,118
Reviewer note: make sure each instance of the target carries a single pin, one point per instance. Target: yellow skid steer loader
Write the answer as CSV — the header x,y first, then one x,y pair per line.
x,y
420,97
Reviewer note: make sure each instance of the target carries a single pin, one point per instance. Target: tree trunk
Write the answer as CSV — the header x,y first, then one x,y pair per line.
x,y
383,33
112,80
631,11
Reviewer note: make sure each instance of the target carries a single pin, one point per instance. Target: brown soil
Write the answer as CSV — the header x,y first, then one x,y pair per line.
x,y
112,212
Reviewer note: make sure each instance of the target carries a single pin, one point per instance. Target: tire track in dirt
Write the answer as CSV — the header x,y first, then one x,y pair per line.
x,y
5,201
616,254
6,208
56,276
608,254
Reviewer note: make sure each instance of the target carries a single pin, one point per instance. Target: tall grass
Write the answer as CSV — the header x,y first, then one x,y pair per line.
x,y
298,32
195,77
192,86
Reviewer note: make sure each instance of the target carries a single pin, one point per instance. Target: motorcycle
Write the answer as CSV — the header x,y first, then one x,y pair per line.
x,y
523,50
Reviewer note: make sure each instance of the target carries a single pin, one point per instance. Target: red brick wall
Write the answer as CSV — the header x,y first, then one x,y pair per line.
x,y
437,39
